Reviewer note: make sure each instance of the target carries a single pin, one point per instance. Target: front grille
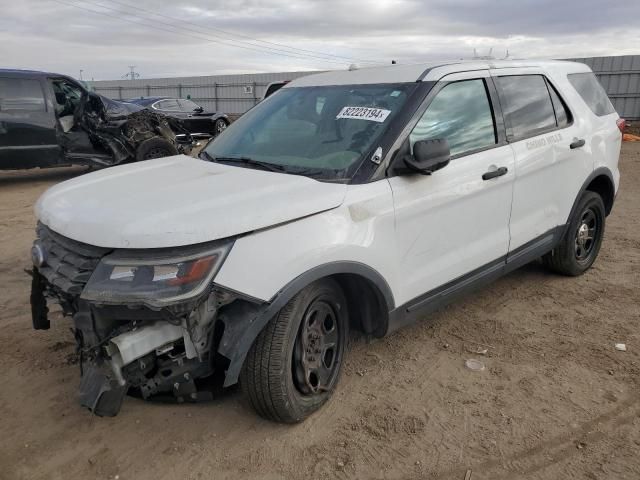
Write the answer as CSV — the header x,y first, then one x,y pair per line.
x,y
69,264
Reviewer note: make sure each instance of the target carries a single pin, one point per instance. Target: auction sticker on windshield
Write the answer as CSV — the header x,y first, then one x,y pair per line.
x,y
364,113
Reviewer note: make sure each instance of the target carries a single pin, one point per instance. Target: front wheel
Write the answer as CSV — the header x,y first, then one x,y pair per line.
x,y
580,246
155,147
294,365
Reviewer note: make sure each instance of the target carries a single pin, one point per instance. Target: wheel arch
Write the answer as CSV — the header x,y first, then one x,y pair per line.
x,y
245,319
222,117
601,182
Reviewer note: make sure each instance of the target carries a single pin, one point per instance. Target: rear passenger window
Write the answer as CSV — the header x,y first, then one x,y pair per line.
x,y
461,113
169,105
527,105
587,85
21,94
563,116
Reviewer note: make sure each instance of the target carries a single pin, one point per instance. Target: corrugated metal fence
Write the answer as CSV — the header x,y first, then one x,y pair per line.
x,y
235,94
620,77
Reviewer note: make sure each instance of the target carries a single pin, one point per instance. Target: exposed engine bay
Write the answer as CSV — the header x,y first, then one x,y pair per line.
x,y
108,132
164,352
122,127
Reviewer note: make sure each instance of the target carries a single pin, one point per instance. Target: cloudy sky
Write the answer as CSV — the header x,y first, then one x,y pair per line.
x,y
199,37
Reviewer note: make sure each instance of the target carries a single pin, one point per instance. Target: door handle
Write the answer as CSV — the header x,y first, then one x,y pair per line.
x,y
498,172
577,143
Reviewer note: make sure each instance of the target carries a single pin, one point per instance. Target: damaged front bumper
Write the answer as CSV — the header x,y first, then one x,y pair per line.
x,y
148,353
178,352
153,358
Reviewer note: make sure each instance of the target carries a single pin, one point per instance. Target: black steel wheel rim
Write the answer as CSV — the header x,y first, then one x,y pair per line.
x,y
156,153
586,234
315,360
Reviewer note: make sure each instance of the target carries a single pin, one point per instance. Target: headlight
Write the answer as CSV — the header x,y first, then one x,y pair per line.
x,y
155,278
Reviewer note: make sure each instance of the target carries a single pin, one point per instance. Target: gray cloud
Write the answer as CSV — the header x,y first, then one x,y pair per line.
x,y
48,35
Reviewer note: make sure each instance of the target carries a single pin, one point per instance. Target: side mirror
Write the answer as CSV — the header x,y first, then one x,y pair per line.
x,y
428,156
198,109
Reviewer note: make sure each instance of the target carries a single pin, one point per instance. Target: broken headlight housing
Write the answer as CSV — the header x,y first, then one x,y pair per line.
x,y
155,278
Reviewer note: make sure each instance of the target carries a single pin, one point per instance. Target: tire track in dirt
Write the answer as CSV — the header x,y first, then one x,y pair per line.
x,y
555,450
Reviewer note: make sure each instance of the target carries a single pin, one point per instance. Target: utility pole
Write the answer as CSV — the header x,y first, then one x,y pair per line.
x,y
81,74
132,74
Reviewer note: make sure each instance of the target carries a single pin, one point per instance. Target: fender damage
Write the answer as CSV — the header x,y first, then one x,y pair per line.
x,y
120,128
176,353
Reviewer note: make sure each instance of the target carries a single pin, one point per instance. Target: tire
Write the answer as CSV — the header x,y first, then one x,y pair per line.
x,y
273,375
155,147
219,126
579,247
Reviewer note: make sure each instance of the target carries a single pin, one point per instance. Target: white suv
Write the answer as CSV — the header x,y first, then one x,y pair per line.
x,y
358,199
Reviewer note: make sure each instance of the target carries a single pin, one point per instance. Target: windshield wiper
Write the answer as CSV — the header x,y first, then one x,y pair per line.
x,y
251,162
307,172
206,156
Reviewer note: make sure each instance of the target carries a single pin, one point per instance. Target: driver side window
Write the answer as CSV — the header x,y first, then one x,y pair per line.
x,y
461,113
67,97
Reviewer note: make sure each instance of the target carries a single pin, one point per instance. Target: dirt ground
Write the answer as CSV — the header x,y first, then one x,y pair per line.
x,y
556,400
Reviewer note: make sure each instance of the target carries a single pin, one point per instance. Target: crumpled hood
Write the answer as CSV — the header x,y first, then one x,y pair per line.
x,y
115,110
177,201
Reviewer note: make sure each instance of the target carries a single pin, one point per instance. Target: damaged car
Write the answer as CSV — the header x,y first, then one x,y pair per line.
x,y
49,120
350,200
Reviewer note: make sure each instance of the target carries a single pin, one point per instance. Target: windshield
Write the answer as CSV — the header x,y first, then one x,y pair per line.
x,y
322,132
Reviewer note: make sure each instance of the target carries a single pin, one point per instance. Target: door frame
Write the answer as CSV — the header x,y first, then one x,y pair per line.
x,y
67,156
436,296
49,154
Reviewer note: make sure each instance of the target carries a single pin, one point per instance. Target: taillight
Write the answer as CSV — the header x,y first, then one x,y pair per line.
x,y
621,124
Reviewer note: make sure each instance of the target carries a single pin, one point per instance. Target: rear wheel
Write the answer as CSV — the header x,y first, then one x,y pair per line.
x,y
220,126
580,246
155,147
294,364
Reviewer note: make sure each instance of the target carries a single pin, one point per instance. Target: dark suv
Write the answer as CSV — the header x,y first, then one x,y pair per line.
x,y
48,120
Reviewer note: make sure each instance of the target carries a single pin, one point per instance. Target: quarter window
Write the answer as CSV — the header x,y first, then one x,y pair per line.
x,y
21,94
168,105
188,105
526,105
587,85
462,114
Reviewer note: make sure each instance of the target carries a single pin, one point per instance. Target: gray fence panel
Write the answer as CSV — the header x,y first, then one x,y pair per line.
x,y
235,94
620,77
